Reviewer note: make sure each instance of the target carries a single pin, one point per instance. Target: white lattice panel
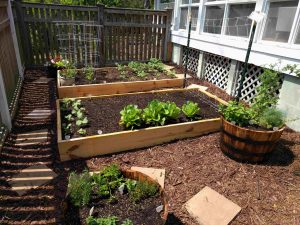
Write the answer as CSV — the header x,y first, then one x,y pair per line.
x,y
216,69
251,82
193,59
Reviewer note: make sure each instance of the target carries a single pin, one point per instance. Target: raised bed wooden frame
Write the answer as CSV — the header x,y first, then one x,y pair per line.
x,y
115,88
103,144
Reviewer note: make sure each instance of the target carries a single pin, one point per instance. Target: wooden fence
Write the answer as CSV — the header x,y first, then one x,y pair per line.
x,y
126,34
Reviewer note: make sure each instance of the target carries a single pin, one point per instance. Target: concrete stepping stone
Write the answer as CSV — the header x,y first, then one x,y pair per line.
x,y
42,80
31,177
208,207
203,88
155,174
181,76
39,114
32,138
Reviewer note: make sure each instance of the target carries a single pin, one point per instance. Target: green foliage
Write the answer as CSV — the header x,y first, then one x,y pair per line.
x,y
80,188
89,73
69,72
123,70
102,221
271,118
156,64
112,220
191,110
171,111
153,114
81,131
131,116
292,69
82,122
266,96
66,103
236,113
142,190
109,179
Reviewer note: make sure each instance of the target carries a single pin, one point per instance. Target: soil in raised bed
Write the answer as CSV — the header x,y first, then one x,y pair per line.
x,y
104,113
142,213
112,75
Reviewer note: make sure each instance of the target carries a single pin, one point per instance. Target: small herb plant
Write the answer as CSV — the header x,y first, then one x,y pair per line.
x,y
131,116
89,73
142,190
191,110
271,118
112,220
122,70
69,72
80,188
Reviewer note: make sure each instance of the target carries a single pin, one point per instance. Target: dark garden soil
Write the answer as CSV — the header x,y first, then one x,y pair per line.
x,y
142,213
112,75
104,113
269,193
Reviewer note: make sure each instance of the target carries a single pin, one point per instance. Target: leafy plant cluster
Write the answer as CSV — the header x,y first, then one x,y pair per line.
x,y
292,69
75,119
262,112
157,113
112,220
142,70
105,184
89,73
69,70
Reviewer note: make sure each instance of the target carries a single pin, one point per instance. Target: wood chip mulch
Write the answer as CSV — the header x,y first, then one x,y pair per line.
x,y
268,193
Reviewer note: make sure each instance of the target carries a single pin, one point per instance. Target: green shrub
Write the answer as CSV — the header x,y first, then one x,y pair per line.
x,y
153,114
108,180
80,188
122,70
191,110
156,64
89,73
271,118
131,116
142,190
236,113
69,71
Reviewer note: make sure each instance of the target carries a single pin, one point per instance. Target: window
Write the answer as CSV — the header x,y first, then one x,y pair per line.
x,y
214,19
238,23
187,6
228,18
279,21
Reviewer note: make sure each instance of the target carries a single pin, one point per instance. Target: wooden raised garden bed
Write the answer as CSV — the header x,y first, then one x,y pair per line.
x,y
110,87
115,139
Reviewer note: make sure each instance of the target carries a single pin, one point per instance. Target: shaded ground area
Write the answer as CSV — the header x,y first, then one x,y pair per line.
x,y
268,193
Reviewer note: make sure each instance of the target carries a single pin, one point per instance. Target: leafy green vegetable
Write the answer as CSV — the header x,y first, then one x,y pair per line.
x,y
171,111
131,117
81,131
80,188
89,73
153,114
191,110
82,122
236,113
271,118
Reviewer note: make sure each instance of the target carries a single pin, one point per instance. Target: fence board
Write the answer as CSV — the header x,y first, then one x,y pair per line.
x,y
127,34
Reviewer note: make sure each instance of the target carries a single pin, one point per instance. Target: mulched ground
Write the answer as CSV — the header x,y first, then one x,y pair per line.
x,y
104,113
111,75
268,193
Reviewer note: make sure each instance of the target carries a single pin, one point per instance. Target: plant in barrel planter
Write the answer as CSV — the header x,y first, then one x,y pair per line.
x,y
250,133
102,197
56,63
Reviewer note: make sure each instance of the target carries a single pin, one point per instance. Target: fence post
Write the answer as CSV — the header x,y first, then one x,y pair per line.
x,y
25,35
232,78
102,35
4,109
200,72
168,44
15,40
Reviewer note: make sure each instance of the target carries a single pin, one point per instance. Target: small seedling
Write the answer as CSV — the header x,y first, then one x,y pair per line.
x,y
81,131
89,73
82,122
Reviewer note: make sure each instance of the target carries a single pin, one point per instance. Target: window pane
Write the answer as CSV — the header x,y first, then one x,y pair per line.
x,y
280,20
195,1
194,11
185,2
238,23
298,37
214,19
183,18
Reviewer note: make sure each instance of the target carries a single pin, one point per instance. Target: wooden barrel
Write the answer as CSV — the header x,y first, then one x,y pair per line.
x,y
245,144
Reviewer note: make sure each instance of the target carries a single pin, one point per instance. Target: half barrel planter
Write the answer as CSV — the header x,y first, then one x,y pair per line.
x,y
245,144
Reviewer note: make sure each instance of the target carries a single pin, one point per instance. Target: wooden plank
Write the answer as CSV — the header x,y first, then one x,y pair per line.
x,y
4,24
129,140
3,4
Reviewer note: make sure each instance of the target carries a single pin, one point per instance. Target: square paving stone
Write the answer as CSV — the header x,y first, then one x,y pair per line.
x,y
32,138
155,174
39,114
208,207
43,80
31,177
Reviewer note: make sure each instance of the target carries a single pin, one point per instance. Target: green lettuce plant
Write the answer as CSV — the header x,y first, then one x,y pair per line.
x,y
171,111
131,116
191,110
154,114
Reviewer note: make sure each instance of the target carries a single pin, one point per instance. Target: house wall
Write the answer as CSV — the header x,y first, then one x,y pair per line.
x,y
220,58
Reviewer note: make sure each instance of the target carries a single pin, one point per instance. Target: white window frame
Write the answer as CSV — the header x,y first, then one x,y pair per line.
x,y
293,34
226,3
190,5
